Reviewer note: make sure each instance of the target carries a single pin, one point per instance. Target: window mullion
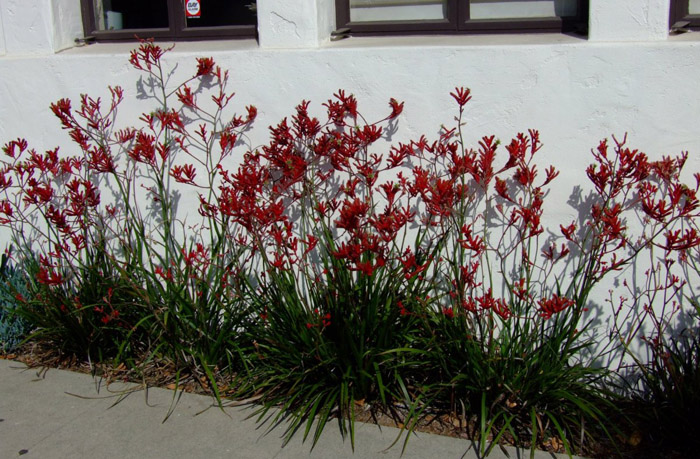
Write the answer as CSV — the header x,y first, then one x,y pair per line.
x,y
342,13
460,10
88,11
176,17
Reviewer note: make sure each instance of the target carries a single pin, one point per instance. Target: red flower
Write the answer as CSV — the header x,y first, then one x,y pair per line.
x,y
15,148
252,113
553,305
350,214
5,209
205,66
520,290
183,174
568,231
497,305
48,276
310,242
100,160
147,55
62,109
326,320
38,193
186,96
396,108
462,96
166,275
440,197
144,151
349,103
483,166
677,241
502,189
470,242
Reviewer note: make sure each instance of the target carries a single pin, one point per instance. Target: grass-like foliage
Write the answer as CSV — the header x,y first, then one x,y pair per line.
x,y
342,341
13,290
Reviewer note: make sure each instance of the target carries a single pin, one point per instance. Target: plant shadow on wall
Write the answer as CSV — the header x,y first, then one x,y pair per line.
x,y
113,280
323,277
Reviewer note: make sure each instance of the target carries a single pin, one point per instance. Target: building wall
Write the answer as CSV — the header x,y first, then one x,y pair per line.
x,y
629,76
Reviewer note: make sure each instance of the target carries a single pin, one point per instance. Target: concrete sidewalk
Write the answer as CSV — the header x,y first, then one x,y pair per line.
x,y
60,414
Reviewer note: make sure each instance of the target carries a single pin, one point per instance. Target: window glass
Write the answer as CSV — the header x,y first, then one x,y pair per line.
x,y
694,7
130,14
521,9
397,10
223,13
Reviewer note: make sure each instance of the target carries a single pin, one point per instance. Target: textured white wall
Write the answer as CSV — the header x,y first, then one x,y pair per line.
x,y
3,48
628,20
576,92
31,27
27,26
67,23
293,23
629,76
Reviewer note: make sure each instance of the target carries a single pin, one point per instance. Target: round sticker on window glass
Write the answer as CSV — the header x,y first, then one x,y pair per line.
x,y
193,8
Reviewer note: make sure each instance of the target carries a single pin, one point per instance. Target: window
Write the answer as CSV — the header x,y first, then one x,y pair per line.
x,y
685,11
461,16
168,19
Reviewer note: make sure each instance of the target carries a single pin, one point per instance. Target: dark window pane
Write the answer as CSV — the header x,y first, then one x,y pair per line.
x,y
694,7
519,9
224,13
397,10
131,14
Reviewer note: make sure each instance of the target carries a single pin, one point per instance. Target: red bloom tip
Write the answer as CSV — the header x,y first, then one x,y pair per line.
x,y
568,231
184,174
252,113
462,96
205,66
49,277
186,96
396,108
15,147
553,305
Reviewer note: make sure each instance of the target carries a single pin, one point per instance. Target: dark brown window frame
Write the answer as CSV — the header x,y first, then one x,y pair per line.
x,y
177,30
680,12
458,22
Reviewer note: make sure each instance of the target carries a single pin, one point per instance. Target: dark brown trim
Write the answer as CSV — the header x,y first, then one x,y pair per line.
x,y
176,16
88,17
459,22
396,27
342,13
177,29
680,12
193,33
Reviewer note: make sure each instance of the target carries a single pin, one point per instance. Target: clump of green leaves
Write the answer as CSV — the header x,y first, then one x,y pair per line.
x,y
13,294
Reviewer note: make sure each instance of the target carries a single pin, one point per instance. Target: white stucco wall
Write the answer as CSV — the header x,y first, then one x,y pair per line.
x,y
294,23
3,48
38,27
628,20
27,25
67,23
629,76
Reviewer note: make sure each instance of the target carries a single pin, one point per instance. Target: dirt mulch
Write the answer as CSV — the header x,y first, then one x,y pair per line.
x,y
152,373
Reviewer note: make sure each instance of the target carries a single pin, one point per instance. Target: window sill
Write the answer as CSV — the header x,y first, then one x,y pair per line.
x,y
457,40
366,42
200,46
690,36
